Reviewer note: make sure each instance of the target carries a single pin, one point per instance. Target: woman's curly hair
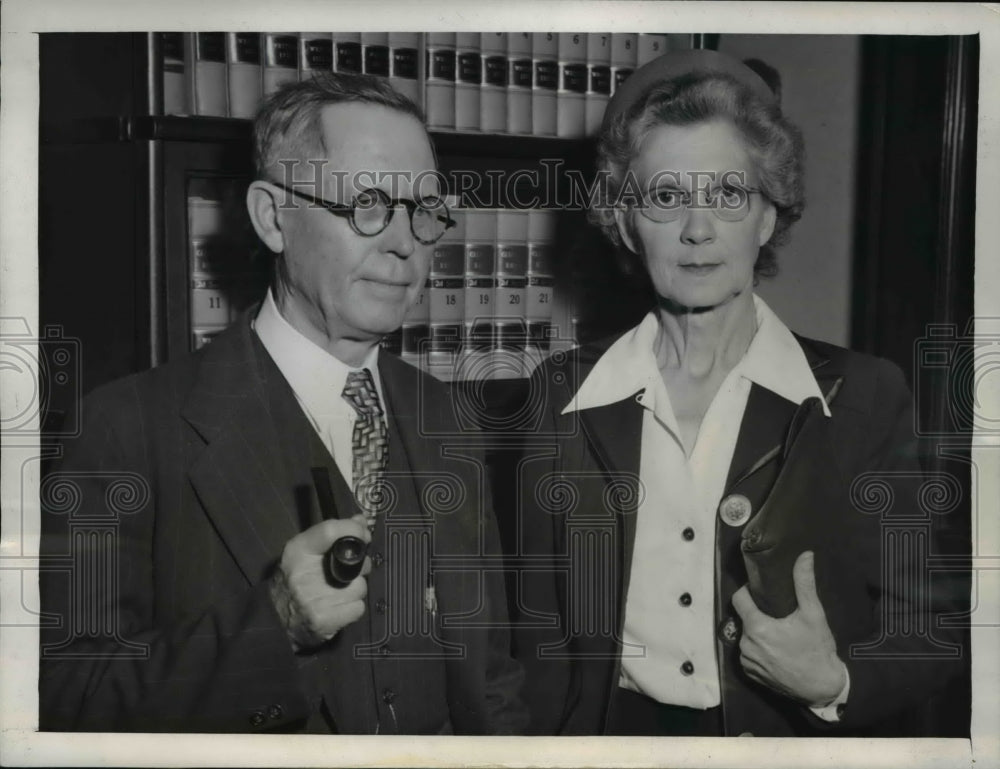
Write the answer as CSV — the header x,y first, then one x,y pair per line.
x,y
774,145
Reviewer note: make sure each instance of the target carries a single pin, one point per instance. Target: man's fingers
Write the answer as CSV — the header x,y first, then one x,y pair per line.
x,y
328,621
358,587
329,610
316,540
351,612
317,591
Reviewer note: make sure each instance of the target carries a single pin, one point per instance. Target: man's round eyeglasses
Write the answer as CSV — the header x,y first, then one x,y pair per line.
x,y
372,210
730,203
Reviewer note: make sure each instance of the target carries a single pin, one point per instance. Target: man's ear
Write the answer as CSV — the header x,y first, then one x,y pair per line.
x,y
621,221
767,222
263,209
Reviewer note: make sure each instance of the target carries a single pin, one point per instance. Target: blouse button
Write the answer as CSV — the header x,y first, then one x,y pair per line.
x,y
688,534
687,668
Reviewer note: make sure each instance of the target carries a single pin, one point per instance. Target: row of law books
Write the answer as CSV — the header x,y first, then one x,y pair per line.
x,y
227,274
490,308
520,83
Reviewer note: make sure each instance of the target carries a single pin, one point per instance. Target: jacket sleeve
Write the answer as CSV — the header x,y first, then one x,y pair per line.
x,y
539,615
507,713
107,663
484,681
910,656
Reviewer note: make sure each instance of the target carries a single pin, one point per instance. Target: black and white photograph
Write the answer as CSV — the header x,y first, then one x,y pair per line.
x,y
462,381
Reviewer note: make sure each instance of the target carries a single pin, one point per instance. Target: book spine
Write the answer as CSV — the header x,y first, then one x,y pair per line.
x,y
468,80
480,259
571,95
375,53
447,297
404,64
281,60
519,79
315,53
209,300
493,89
598,80
439,87
415,332
243,58
623,57
679,41
649,47
206,71
347,52
545,83
228,272
510,328
539,294
174,84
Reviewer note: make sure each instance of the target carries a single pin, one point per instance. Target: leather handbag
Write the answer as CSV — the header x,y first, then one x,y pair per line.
x,y
806,497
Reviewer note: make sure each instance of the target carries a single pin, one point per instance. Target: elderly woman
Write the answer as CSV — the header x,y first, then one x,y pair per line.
x,y
700,564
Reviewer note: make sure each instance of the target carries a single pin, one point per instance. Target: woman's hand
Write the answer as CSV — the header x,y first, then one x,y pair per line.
x,y
796,655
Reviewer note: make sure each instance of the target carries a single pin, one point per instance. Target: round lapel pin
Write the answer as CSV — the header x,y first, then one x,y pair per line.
x,y
735,510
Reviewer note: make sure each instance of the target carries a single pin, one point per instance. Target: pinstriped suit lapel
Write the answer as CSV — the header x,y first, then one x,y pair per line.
x,y
416,415
241,476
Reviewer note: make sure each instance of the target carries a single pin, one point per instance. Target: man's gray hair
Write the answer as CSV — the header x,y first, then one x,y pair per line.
x,y
287,123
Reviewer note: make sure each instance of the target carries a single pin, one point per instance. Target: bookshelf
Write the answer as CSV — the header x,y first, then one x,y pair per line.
x,y
102,118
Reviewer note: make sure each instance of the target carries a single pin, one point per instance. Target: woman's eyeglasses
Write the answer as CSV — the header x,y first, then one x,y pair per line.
x,y
730,203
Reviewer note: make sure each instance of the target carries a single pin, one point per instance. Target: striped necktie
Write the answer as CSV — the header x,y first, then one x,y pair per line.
x,y
370,442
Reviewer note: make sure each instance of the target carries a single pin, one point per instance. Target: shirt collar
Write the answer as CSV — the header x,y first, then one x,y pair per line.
x,y
316,377
773,360
625,368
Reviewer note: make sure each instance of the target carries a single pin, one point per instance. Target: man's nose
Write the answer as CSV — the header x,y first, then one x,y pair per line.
x,y
398,235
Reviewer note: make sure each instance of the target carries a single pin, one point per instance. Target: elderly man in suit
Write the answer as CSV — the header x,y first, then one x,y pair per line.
x,y
219,612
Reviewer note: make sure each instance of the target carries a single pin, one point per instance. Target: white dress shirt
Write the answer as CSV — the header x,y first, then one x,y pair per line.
x,y
660,633
317,379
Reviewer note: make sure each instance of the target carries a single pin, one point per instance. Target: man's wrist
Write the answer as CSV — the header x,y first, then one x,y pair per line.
x,y
282,599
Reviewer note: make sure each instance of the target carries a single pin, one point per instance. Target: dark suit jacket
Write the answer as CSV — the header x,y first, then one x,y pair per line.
x,y
578,504
168,514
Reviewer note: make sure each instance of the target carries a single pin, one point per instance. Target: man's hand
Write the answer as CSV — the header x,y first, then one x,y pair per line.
x,y
311,609
797,655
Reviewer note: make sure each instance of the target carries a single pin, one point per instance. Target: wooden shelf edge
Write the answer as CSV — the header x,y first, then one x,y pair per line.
x,y
216,129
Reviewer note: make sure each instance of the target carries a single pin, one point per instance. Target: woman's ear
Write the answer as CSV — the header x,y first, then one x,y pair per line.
x,y
622,222
767,222
263,209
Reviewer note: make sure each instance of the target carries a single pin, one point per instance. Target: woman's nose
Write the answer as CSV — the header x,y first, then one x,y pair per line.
x,y
699,226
